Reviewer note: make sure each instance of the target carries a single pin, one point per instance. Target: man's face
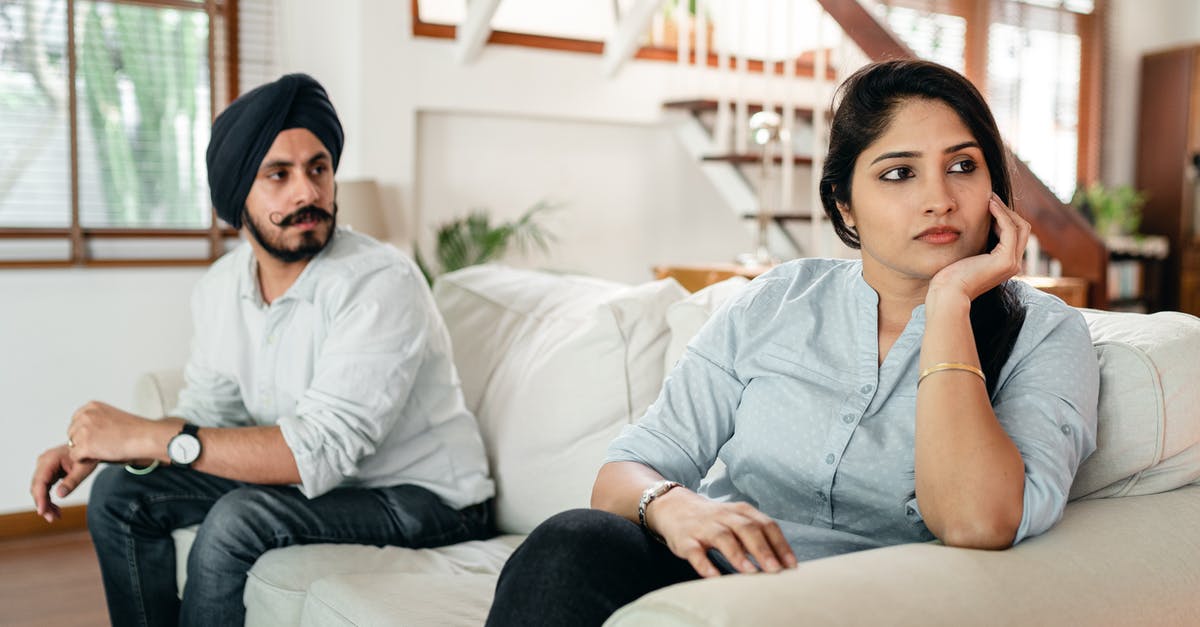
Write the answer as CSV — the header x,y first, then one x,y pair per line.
x,y
290,209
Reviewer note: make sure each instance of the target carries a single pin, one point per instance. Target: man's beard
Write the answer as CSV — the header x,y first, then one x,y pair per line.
x,y
311,242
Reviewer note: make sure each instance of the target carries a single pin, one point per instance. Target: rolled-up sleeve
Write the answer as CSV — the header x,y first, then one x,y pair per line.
x,y
693,416
1048,407
366,369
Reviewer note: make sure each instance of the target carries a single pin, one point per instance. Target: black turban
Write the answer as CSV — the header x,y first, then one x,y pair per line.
x,y
244,132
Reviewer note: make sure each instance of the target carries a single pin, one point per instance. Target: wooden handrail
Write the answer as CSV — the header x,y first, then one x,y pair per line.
x,y
1062,232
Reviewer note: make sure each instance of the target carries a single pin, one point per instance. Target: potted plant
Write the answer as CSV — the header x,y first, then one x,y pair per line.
x,y
473,239
1113,211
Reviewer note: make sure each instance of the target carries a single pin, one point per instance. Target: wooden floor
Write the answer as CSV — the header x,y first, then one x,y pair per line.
x,y
49,581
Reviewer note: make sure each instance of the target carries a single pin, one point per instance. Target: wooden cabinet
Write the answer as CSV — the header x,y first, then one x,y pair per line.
x,y
1168,160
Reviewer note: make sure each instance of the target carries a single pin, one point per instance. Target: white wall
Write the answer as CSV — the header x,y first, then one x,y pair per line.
x,y
1135,28
69,336
629,196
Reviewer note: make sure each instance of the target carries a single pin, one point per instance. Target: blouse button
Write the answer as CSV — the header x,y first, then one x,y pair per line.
x,y
829,458
866,389
848,418
1066,429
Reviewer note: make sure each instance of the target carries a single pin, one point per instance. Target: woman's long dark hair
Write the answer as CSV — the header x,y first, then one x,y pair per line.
x,y
868,102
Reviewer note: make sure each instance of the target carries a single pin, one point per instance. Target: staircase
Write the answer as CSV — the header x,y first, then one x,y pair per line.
x,y
727,75
714,130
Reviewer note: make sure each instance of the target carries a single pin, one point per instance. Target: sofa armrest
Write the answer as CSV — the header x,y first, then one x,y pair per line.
x,y
156,393
1116,561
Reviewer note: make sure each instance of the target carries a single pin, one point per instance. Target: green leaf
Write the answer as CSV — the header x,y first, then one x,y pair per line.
x,y
473,239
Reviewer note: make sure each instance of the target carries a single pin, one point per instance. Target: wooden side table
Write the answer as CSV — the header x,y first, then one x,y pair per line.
x,y
1073,291
694,278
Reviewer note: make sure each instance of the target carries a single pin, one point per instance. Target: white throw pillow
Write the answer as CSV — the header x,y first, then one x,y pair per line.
x,y
553,366
1148,437
687,316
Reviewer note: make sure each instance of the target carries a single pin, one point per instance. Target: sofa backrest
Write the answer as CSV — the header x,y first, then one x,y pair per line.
x,y
553,366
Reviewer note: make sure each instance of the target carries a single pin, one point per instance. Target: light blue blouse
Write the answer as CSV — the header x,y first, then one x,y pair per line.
x,y
783,385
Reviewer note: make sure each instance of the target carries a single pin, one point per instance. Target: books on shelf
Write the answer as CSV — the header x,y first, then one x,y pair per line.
x,y
1124,279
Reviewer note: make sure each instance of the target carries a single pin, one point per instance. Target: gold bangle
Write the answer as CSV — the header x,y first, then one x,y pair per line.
x,y
950,366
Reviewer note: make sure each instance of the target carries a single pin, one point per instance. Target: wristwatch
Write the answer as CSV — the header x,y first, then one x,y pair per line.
x,y
184,449
648,496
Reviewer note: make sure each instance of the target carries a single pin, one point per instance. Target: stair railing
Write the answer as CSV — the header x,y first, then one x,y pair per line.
x,y
859,38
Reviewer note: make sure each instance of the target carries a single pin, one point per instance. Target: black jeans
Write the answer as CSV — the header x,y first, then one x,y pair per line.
x,y
579,567
131,519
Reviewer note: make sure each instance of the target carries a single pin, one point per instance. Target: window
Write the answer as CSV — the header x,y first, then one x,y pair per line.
x,y
584,25
1035,61
1036,87
106,107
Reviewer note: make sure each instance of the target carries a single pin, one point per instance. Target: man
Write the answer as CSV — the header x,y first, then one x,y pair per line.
x,y
320,401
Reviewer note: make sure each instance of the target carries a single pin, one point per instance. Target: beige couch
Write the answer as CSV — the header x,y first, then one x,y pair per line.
x,y
555,365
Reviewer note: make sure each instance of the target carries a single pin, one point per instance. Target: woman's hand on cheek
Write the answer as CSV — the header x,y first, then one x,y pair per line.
x,y
975,275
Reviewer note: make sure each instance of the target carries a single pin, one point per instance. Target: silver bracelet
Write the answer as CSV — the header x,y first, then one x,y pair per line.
x,y
648,496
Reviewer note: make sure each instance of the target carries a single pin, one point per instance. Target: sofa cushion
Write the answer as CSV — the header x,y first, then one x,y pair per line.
x,y
279,582
553,366
1109,562
687,316
399,599
1148,437
281,579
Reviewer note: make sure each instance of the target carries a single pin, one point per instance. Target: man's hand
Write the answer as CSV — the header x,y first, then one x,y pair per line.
x,y
100,432
56,466
691,524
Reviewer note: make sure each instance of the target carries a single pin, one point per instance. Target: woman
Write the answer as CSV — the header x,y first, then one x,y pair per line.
x,y
917,394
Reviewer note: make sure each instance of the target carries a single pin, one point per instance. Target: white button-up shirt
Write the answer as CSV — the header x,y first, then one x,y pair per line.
x,y
353,363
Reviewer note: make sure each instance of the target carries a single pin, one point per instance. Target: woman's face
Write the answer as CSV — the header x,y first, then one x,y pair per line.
x,y
919,195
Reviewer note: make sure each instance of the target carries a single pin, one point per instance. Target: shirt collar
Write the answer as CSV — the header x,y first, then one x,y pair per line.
x,y
303,289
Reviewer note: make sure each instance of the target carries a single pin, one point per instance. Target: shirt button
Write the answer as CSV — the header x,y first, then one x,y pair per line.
x,y
1066,429
848,418
829,458
910,511
866,389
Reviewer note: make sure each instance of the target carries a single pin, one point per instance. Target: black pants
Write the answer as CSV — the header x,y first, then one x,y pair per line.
x,y
579,567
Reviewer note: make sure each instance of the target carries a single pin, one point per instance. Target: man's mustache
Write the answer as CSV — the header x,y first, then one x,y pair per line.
x,y
311,212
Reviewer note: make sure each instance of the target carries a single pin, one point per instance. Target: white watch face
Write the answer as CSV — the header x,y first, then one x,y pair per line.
x,y
183,449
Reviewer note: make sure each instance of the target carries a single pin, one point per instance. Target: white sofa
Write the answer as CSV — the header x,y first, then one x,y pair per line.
x,y
555,365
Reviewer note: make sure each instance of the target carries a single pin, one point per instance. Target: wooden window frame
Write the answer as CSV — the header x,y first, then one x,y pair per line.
x,y
80,236
1089,27
805,63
